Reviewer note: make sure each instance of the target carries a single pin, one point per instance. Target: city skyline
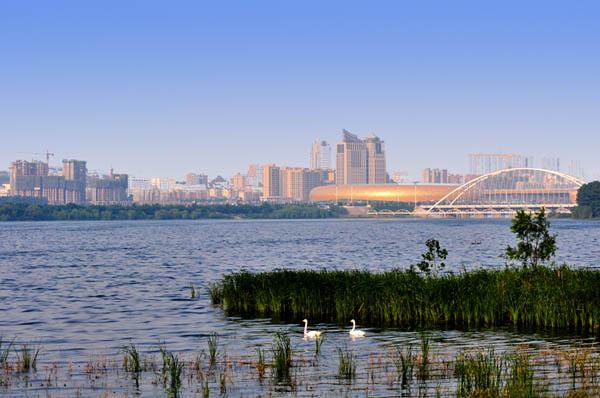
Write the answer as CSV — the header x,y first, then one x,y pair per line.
x,y
161,90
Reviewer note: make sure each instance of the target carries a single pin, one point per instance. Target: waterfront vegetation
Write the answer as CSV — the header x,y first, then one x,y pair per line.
x,y
26,211
394,369
540,297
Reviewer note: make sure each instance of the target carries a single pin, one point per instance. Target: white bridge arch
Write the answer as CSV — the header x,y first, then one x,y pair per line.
x,y
501,193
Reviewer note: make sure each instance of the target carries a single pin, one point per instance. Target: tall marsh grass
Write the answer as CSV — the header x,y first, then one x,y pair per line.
x,y
541,297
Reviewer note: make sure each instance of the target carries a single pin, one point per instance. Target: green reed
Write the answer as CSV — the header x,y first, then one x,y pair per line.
x,y
5,351
27,357
132,362
405,363
346,364
172,370
213,348
282,356
479,373
318,344
541,297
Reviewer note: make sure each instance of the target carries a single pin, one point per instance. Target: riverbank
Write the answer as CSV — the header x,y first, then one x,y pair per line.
x,y
35,212
541,297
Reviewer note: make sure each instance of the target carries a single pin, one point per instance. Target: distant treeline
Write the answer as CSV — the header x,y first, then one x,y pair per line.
x,y
35,212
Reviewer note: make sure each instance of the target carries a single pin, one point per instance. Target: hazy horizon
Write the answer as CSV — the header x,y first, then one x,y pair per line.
x,y
151,89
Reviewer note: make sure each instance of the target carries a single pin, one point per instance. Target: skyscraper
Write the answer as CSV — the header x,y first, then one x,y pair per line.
x,y
271,182
20,168
376,169
320,155
360,161
75,174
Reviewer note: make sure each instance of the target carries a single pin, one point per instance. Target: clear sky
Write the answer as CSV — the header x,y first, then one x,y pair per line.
x,y
163,88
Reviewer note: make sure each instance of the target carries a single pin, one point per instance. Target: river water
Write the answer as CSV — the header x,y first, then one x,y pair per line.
x,y
87,289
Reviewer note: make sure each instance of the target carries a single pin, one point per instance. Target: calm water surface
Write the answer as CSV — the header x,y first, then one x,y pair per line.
x,y
83,289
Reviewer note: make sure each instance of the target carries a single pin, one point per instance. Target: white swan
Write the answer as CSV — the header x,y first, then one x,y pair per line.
x,y
354,332
312,334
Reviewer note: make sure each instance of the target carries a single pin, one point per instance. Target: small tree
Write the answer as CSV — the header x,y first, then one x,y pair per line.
x,y
433,258
535,243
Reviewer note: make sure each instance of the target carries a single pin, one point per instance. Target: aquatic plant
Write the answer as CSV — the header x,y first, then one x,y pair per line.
x,y
539,297
346,364
27,357
282,356
423,369
173,371
478,373
405,364
213,348
205,389
193,292
318,344
132,362
5,352
261,364
521,378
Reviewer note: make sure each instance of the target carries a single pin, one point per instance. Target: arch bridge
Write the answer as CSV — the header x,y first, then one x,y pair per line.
x,y
503,192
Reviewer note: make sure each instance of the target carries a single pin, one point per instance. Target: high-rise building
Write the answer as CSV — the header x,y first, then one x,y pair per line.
x,y
31,179
320,155
289,184
109,190
360,161
297,182
271,182
238,182
75,175
163,184
434,176
20,168
484,163
254,177
376,168
196,179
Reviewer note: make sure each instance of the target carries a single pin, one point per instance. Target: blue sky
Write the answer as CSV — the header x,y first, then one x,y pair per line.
x,y
162,88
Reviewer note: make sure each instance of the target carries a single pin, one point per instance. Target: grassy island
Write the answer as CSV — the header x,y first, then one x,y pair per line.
x,y
538,297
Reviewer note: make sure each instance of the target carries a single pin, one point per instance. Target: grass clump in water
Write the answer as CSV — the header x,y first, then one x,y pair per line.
x,y
282,356
5,351
27,357
213,348
478,374
132,362
346,364
536,297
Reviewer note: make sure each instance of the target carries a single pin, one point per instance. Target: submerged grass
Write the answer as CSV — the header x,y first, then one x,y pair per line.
x,y
541,297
